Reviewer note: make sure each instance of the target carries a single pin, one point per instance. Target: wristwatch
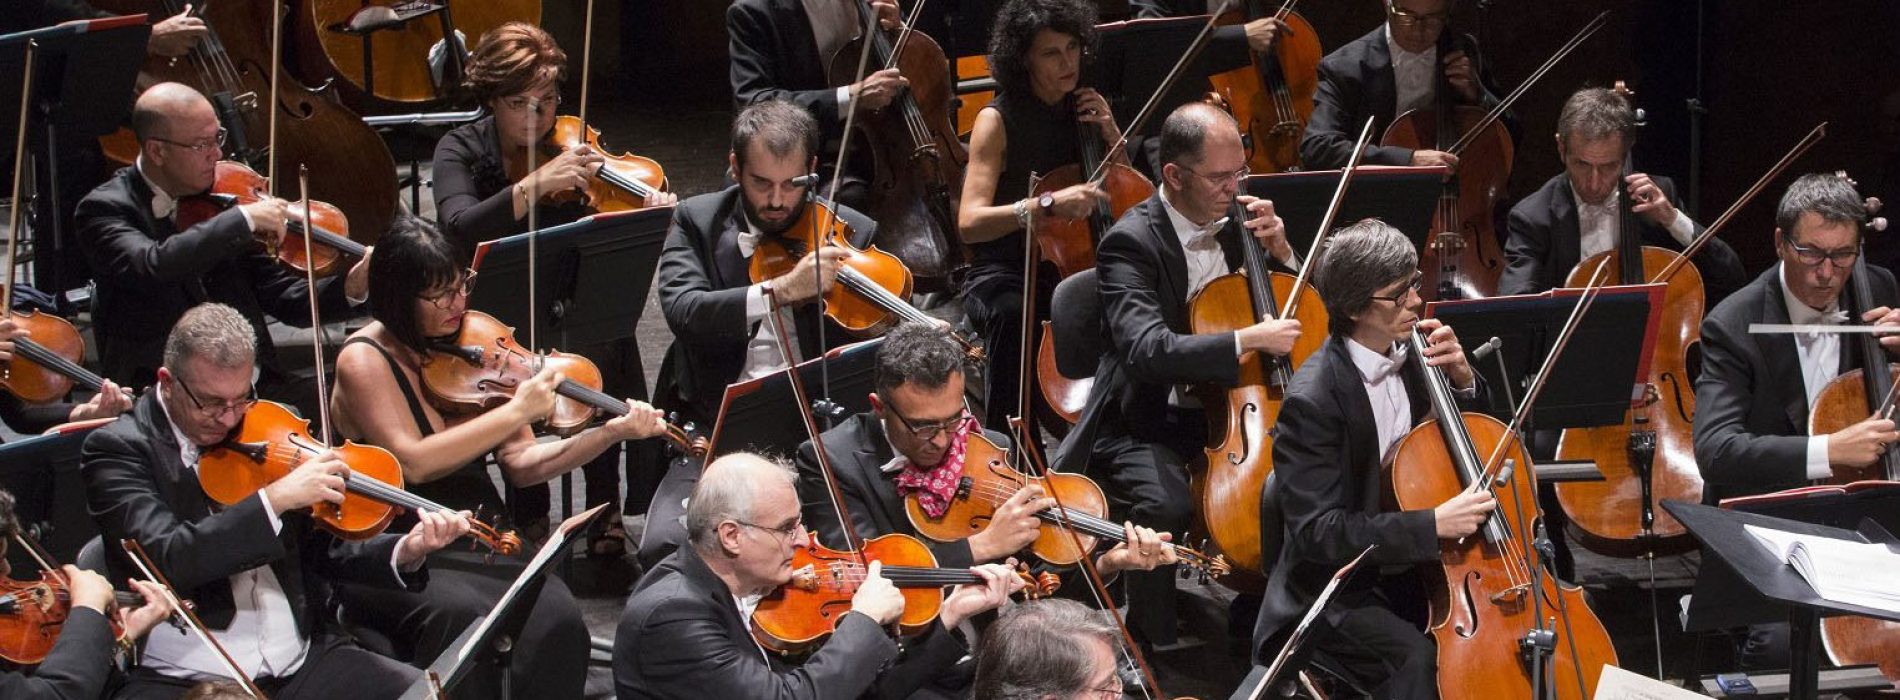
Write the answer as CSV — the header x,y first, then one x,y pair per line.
x,y
1048,203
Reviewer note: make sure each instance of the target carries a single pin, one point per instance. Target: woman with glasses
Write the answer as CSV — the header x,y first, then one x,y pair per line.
x,y
419,292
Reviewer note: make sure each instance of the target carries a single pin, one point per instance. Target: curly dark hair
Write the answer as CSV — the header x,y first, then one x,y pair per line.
x,y
1015,30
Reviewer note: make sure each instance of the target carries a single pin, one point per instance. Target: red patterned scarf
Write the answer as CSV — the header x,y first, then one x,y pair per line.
x,y
936,486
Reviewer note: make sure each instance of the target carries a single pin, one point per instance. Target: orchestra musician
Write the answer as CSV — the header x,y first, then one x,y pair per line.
x,y
685,632
149,272
482,190
79,665
1055,648
418,292
716,311
1140,430
1755,391
258,571
1348,405
1390,71
1574,214
27,418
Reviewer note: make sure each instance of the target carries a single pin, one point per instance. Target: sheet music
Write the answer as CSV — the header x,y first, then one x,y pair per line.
x,y
1618,684
556,545
1842,571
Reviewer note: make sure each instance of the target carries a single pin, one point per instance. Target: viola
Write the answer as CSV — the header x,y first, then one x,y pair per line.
x,y
800,615
622,183
872,286
1272,96
328,229
32,613
398,72
483,365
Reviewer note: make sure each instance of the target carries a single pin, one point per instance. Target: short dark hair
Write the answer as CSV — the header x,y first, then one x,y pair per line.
x,y
1184,132
1360,260
1035,650
1826,194
923,354
1595,113
781,124
411,260
1014,31
512,59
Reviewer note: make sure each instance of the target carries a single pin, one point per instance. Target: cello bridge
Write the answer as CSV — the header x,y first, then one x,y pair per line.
x,y
1511,596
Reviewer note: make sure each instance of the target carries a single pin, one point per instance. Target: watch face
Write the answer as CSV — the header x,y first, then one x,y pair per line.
x,y
1047,201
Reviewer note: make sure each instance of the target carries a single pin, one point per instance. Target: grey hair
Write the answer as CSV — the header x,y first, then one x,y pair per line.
x,y
783,126
924,354
1595,113
726,491
214,332
1360,260
1829,195
1035,651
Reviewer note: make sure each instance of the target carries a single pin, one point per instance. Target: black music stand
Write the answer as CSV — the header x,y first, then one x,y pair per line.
x,y
1402,197
1742,584
42,473
1133,57
83,71
492,637
756,415
591,279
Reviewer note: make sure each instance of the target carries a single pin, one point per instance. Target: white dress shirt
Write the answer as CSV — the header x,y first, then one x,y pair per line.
x,y
1414,74
762,355
1391,404
1596,223
1820,362
1200,245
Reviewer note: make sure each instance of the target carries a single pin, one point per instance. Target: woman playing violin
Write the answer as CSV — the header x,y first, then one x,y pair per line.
x,y
419,291
1036,53
16,414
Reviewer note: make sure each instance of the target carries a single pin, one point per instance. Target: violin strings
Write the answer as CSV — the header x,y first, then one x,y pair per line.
x,y
45,357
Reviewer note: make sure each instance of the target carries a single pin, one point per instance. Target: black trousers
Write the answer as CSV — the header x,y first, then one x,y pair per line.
x,y
334,668
550,659
993,299
1147,483
1381,651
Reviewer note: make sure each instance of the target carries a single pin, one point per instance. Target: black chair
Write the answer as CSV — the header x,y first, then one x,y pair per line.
x,y
1272,541
1075,322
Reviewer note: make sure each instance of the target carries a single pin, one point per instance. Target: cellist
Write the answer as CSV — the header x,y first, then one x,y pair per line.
x,y
1348,405
1755,392
1141,429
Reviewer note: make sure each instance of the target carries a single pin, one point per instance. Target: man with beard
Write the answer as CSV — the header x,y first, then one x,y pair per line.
x,y
717,312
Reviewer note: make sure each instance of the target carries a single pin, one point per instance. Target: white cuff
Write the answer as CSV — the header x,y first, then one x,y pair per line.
x,y
1238,351
756,305
276,523
1818,468
397,552
1292,260
248,224
1683,228
844,97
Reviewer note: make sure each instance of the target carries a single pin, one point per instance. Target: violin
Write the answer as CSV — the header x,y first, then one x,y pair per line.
x,y
622,183
481,367
872,286
1272,97
989,480
917,160
237,184
32,612
400,36
800,614
272,441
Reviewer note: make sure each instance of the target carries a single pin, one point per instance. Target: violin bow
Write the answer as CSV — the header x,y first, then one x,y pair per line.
x,y
1497,111
1326,222
19,169
853,543
150,569
1167,84
1814,136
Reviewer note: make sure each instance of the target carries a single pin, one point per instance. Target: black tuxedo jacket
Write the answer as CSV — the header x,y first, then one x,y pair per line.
x,y
1543,238
681,637
702,284
1148,347
149,273
1751,418
77,668
775,56
138,487
1356,81
1326,461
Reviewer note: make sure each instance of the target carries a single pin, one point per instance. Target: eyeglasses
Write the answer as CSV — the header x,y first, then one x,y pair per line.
x,y
1218,180
1842,258
1418,281
926,432
467,287
218,409
1112,691
524,103
1402,17
201,146
780,533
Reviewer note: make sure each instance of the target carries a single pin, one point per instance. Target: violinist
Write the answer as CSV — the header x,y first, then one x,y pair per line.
x,y
1755,392
1574,214
1390,71
1346,408
717,313
912,442
418,292
783,49
255,569
482,190
1045,649
685,633
80,664
25,418
150,272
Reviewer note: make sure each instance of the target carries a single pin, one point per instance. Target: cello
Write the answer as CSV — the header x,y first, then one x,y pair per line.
x,y
1273,97
1462,257
917,160
400,39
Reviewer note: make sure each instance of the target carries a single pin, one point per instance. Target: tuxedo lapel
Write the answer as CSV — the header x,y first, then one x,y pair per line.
x,y
1174,279
1783,360
1383,88
873,453
1566,229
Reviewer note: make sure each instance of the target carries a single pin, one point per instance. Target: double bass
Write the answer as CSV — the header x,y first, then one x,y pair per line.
x,y
1272,97
386,53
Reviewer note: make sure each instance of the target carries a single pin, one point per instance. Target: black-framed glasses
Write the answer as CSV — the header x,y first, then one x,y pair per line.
x,y
214,410
524,103
926,432
1218,180
1842,258
467,287
216,142
1406,18
792,530
1418,281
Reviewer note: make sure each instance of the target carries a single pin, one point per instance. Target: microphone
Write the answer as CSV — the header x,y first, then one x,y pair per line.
x,y
806,180
1489,346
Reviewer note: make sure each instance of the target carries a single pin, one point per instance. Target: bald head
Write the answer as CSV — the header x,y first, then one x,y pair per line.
x,y
1192,128
163,105
730,488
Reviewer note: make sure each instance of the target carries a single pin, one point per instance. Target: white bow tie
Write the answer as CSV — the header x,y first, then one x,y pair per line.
x,y
1394,359
163,205
1206,238
748,241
